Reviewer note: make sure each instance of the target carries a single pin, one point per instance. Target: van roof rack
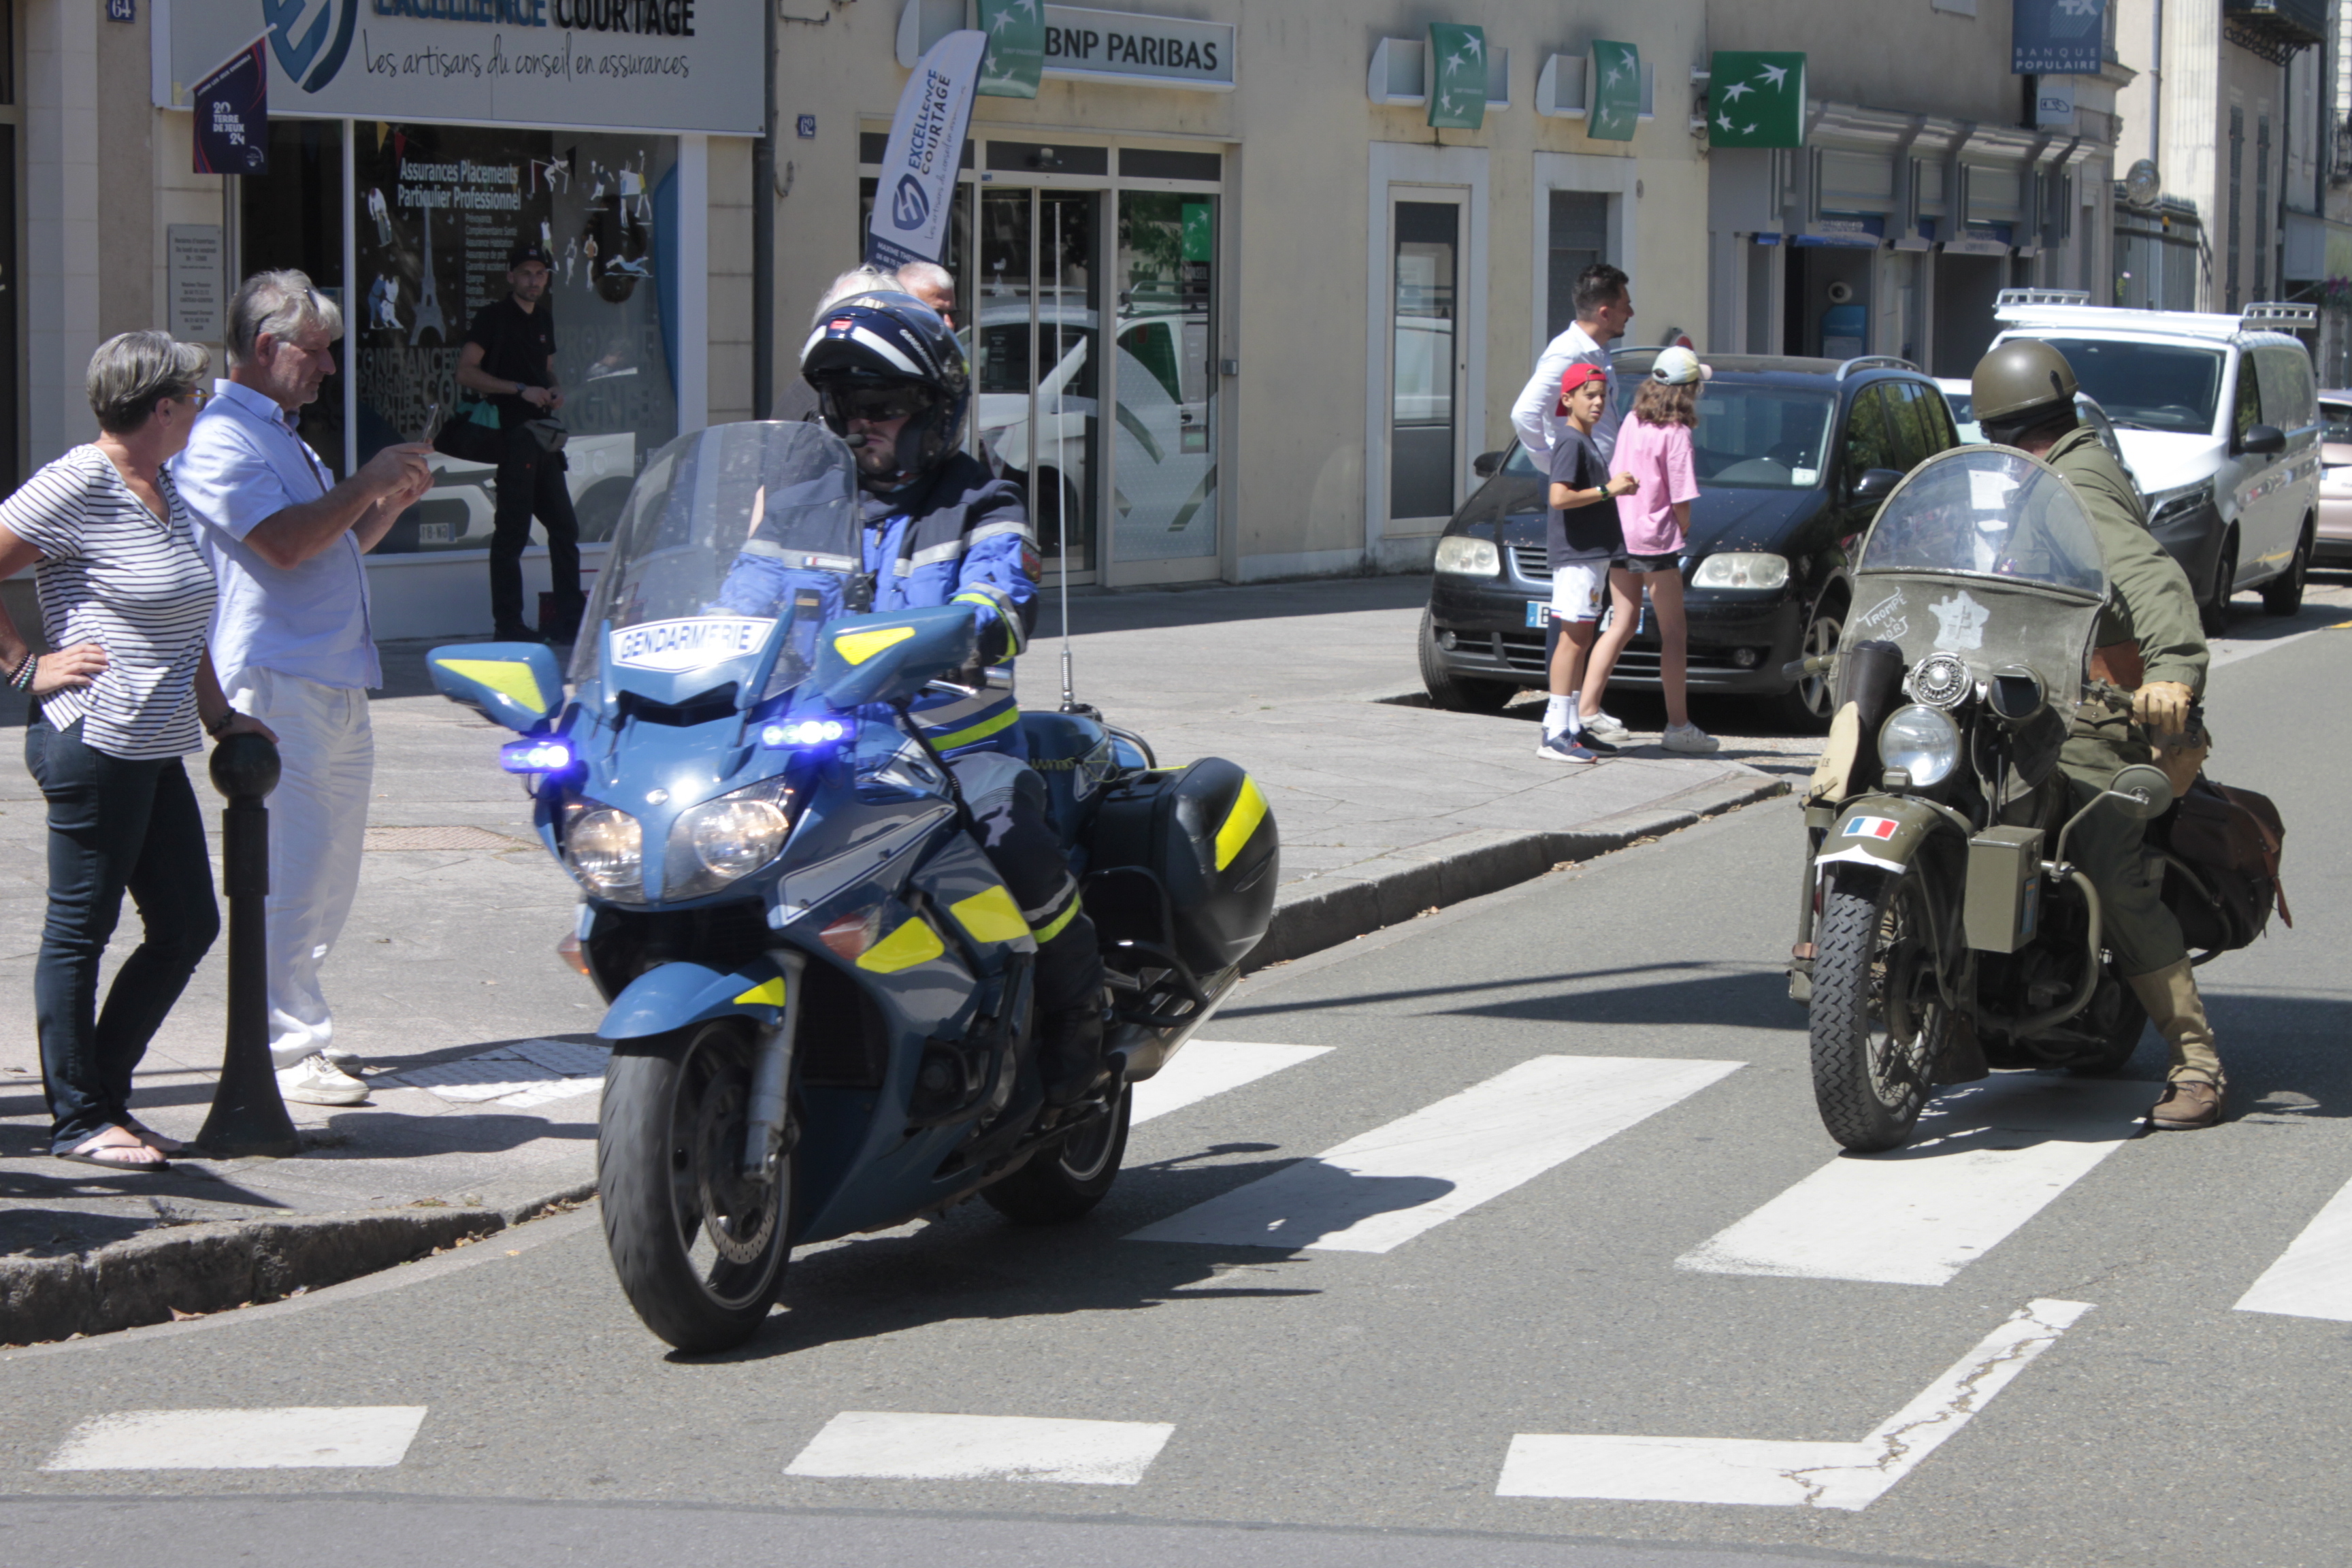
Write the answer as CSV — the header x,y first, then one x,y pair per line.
x,y
2008,297
1874,361
2282,314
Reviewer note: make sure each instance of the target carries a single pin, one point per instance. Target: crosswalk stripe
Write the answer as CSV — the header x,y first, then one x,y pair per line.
x,y
890,1445
1988,1158
2313,1278
1847,1476
289,1439
1379,1191
1206,1067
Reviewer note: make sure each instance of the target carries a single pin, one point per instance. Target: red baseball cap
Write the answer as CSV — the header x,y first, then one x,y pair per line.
x,y
1576,377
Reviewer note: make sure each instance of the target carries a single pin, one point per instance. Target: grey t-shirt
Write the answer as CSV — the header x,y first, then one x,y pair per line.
x,y
1588,532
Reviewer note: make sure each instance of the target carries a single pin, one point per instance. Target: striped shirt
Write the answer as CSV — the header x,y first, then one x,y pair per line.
x,y
114,573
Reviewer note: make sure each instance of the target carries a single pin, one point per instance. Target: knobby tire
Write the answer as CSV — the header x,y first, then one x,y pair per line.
x,y
1870,1084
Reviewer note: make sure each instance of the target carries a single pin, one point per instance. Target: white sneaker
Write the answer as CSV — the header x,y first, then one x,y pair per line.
x,y
1690,738
315,1081
350,1062
1605,727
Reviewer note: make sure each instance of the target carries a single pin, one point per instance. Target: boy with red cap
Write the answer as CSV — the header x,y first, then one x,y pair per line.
x,y
1581,537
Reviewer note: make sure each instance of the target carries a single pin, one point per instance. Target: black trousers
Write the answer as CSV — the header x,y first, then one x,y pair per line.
x,y
531,483
1027,853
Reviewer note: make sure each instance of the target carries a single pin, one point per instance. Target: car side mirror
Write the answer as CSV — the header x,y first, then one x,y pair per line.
x,y
1876,484
1485,464
889,658
512,683
2264,441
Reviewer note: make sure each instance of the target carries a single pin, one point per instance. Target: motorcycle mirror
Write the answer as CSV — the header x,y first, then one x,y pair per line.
x,y
2142,791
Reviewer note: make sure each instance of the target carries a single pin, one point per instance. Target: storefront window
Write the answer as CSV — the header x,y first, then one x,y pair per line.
x,y
1165,504
438,209
293,216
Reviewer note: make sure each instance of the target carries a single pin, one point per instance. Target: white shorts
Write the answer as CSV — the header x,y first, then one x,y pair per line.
x,y
1578,590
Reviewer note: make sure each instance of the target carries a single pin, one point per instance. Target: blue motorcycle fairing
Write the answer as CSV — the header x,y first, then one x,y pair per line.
x,y
680,993
516,684
863,659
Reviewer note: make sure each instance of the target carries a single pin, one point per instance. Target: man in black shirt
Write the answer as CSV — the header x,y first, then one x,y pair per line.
x,y
509,358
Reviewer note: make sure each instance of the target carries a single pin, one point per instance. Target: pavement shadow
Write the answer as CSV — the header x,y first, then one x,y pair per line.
x,y
1684,993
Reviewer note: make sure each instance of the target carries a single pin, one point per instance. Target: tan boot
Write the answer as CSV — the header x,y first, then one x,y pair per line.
x,y
2194,1085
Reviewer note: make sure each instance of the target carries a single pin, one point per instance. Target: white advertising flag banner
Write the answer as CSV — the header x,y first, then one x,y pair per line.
x,y
917,190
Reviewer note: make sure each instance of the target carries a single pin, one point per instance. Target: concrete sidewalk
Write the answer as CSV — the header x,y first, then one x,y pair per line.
x,y
484,1067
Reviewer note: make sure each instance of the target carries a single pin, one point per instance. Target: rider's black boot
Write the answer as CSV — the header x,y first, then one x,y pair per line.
x,y
1070,1054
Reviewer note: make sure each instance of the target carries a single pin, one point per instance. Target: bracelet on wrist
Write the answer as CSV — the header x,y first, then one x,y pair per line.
x,y
21,677
218,726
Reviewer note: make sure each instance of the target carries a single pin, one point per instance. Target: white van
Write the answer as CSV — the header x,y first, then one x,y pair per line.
x,y
2219,419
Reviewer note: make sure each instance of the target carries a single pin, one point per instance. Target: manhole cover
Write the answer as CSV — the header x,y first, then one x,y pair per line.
x,y
457,837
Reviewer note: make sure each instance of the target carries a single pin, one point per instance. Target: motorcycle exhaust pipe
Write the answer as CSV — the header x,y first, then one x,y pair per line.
x,y
772,1073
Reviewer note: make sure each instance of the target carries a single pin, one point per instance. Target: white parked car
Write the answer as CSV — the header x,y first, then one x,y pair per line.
x,y
458,511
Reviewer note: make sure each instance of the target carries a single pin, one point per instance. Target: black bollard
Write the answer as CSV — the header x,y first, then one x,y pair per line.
x,y
247,1116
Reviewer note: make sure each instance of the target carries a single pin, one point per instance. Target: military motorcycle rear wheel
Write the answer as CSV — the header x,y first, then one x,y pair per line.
x,y
697,1246
1878,1021
1070,1178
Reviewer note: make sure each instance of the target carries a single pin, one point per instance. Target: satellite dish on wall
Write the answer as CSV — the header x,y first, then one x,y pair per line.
x,y
2143,185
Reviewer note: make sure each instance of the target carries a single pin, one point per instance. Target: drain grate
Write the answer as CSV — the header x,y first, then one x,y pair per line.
x,y
534,1072
452,838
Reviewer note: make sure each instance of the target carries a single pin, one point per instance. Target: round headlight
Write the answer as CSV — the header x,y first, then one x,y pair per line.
x,y
1463,556
734,837
607,849
1922,741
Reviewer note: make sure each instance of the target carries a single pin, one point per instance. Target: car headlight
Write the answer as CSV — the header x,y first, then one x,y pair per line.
x,y
2169,506
1742,568
1464,556
723,840
1922,741
606,849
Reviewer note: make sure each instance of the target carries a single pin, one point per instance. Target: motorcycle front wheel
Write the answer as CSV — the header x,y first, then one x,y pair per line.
x,y
1878,1021
697,1246
1070,1178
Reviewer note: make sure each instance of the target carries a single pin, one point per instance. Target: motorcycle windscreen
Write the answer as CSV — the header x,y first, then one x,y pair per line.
x,y
726,531
1986,553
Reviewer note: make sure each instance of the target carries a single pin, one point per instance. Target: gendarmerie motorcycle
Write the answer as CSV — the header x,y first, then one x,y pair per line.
x,y
819,988
1942,931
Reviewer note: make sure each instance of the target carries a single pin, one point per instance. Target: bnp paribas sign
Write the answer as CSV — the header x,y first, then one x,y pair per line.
x,y
645,65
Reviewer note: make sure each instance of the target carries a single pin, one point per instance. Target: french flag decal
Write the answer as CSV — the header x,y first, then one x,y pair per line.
x,y
1870,828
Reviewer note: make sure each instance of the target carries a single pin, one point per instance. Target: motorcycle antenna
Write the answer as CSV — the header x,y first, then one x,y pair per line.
x,y
1062,528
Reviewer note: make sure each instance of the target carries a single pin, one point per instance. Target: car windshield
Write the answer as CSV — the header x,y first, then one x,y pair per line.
x,y
725,530
1751,437
2336,423
1987,512
2148,387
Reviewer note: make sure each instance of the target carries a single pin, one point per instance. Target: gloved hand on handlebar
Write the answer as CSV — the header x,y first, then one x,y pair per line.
x,y
2163,706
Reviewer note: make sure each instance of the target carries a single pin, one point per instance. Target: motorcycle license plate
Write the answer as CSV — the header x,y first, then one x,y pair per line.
x,y
1538,613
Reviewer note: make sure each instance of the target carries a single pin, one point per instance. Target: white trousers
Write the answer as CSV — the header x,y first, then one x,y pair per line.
x,y
317,828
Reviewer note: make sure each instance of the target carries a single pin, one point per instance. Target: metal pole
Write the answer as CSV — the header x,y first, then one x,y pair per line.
x,y
763,238
1061,469
247,1115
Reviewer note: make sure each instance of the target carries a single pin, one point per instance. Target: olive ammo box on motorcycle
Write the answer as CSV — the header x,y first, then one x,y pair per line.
x,y
1185,860
2004,892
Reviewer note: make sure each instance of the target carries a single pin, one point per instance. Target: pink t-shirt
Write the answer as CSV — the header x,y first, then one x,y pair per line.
x,y
1659,456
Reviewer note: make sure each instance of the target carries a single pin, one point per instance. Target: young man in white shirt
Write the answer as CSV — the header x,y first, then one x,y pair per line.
x,y
1603,307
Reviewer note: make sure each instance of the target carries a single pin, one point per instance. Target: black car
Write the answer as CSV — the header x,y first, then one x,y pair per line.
x,y
1794,457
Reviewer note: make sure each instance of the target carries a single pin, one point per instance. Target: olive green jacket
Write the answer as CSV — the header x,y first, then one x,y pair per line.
x,y
2149,601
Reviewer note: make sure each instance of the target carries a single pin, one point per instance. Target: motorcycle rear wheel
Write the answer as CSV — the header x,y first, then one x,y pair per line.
x,y
697,1246
2118,1032
1070,1178
1878,1022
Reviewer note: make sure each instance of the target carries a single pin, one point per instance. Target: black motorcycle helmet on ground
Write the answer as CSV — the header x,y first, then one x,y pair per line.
x,y
883,353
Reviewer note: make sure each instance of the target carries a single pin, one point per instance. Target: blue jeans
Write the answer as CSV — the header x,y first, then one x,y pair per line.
x,y
115,827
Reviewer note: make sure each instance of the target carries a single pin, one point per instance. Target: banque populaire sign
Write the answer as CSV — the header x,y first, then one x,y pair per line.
x,y
648,65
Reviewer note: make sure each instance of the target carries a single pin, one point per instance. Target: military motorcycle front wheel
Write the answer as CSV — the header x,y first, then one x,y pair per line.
x,y
1070,1178
697,1244
1878,1020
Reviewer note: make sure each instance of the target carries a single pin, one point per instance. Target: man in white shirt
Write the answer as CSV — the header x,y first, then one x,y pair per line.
x,y
291,638
1603,305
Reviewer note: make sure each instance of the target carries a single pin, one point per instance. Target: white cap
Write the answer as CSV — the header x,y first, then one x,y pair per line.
x,y
1679,367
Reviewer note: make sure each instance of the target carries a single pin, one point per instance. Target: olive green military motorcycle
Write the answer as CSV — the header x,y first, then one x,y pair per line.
x,y
1942,931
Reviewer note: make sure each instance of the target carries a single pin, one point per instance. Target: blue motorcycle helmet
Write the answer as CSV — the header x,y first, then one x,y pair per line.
x,y
881,353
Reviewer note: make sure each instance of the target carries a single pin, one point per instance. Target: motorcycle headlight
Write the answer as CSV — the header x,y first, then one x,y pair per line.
x,y
1742,568
1922,741
723,840
1463,556
606,849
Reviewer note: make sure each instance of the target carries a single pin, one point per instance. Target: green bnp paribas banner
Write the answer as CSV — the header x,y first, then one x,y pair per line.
x,y
1017,47
1616,92
1755,98
1457,83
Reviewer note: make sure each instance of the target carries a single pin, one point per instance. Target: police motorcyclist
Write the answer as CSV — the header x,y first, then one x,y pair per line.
x,y
2147,669
891,378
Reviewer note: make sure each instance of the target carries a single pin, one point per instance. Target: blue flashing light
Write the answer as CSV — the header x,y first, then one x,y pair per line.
x,y
803,732
536,754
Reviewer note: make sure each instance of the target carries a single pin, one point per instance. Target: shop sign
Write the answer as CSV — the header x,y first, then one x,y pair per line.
x,y
2057,38
1755,98
665,65
2053,102
1615,102
1859,231
1157,51
1981,239
1457,87
1016,49
916,191
194,280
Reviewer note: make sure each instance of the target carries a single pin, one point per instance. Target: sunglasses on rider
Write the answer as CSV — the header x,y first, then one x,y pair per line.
x,y
877,403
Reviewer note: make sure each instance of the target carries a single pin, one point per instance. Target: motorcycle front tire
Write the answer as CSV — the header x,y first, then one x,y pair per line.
x,y
1873,947
697,1248
1069,1179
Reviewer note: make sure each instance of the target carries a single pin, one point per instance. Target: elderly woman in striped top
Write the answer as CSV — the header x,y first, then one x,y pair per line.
x,y
125,600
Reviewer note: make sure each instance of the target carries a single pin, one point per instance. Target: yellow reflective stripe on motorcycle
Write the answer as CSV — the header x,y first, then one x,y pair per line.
x,y
769,994
978,733
912,944
1053,927
1249,810
859,646
507,677
991,915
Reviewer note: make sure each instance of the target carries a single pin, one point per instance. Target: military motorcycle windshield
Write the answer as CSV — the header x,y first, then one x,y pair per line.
x,y
727,531
1986,553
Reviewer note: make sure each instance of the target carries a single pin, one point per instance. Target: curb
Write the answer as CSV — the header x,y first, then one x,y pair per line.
x,y
1462,866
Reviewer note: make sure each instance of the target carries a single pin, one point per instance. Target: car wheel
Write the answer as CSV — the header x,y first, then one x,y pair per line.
x,y
1808,704
2283,594
1456,693
2214,614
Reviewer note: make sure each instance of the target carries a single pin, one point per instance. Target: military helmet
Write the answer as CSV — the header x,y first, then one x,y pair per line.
x,y
2018,381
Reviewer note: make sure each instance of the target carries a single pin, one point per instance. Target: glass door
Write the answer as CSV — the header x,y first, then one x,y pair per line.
x,y
1031,345
1425,368
1164,487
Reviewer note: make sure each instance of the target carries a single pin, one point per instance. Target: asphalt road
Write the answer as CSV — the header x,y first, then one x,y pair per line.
x,y
2020,1344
